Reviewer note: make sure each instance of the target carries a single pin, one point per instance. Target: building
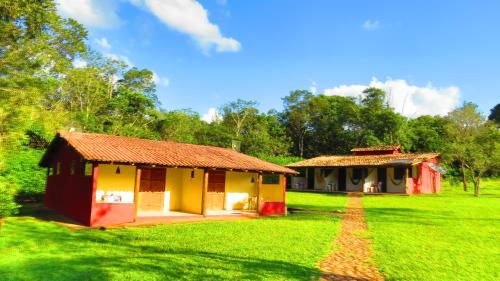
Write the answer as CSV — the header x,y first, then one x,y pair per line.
x,y
102,179
371,169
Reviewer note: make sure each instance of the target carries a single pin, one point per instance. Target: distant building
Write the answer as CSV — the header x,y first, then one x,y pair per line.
x,y
102,180
371,169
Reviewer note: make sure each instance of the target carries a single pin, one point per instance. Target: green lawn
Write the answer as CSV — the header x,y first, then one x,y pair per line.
x,y
449,236
276,248
316,201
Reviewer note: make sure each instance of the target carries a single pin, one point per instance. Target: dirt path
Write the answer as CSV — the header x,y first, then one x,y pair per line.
x,y
352,260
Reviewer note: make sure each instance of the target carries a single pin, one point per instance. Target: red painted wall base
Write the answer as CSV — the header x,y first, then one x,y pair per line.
x,y
272,208
111,213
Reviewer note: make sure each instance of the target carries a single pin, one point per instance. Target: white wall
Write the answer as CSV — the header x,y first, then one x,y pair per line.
x,y
392,184
371,179
350,186
322,182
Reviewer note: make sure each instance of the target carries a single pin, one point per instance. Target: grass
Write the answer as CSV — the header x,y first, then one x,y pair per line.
x,y
447,236
274,248
316,201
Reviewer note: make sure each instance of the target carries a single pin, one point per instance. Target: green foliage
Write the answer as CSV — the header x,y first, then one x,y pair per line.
x,y
473,143
8,206
495,114
281,160
23,173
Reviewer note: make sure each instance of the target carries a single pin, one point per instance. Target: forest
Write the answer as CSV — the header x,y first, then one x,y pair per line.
x,y
43,90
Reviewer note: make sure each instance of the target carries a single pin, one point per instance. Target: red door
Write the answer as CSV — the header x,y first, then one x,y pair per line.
x,y
216,190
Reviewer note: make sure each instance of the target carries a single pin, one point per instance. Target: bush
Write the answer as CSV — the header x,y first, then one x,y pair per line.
x,y
280,160
7,204
22,173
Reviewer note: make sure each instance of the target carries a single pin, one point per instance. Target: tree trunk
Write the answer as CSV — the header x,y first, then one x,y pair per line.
x,y
476,186
464,179
301,146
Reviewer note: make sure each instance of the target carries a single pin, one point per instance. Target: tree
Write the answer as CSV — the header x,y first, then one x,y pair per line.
x,y
333,125
237,114
296,118
483,154
179,125
495,114
378,122
426,133
462,129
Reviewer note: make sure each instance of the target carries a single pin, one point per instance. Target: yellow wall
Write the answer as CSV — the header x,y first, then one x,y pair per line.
x,y
110,184
239,188
108,179
272,192
173,188
192,189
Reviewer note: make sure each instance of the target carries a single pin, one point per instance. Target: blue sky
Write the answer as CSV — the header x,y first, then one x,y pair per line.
x,y
429,55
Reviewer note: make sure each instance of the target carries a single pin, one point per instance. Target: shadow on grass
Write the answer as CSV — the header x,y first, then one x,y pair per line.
x,y
106,255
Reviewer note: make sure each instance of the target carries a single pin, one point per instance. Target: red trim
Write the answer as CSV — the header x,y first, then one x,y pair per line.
x,y
272,208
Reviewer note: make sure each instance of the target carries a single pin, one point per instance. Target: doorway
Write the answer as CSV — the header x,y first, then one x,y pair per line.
x,y
342,179
216,190
382,177
310,178
152,189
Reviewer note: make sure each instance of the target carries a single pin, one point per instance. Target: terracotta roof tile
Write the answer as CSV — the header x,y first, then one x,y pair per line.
x,y
365,160
120,149
378,148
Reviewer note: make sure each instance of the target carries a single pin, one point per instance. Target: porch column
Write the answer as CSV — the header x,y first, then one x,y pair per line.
x,y
136,191
406,179
204,193
284,192
259,187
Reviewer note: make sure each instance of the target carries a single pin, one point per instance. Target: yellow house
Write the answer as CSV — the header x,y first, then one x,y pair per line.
x,y
102,179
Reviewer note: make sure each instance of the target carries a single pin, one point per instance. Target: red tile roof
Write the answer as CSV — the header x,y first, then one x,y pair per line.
x,y
365,160
120,149
378,148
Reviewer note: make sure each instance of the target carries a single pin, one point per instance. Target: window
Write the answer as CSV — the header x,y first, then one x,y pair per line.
x,y
87,169
399,173
357,173
270,179
50,171
72,167
58,168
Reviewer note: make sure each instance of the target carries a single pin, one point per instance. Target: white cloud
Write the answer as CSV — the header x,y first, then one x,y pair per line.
x,y
92,13
189,16
409,100
103,43
164,81
313,88
211,115
371,25
79,63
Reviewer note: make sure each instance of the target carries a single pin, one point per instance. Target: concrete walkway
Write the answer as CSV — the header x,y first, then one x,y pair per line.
x,y
351,261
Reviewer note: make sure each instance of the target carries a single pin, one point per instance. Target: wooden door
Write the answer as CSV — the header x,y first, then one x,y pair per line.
x,y
152,189
216,190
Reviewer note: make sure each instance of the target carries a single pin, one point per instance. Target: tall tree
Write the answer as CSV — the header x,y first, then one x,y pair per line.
x,y
495,114
238,113
296,118
463,126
